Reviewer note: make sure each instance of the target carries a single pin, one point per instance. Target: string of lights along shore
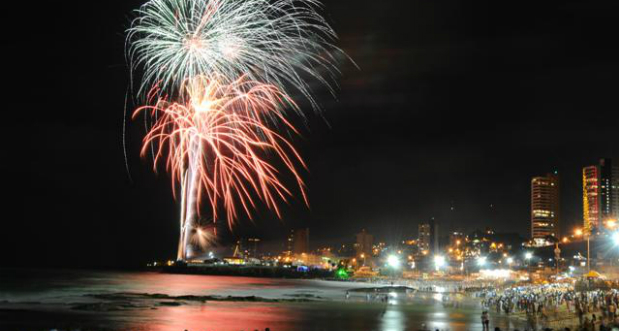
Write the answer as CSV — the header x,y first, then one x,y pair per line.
x,y
216,79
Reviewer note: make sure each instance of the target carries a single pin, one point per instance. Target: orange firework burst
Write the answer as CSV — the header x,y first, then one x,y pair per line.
x,y
216,144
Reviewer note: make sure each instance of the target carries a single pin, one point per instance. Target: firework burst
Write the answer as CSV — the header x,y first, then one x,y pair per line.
x,y
278,42
217,145
223,71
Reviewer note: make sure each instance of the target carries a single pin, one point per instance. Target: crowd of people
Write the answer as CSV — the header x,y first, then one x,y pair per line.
x,y
555,303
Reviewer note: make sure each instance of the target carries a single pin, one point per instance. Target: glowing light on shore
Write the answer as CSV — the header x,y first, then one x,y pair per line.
x,y
495,273
393,261
439,262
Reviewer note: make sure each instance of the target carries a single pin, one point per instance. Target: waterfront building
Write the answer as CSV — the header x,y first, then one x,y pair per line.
x,y
545,205
428,237
600,195
423,241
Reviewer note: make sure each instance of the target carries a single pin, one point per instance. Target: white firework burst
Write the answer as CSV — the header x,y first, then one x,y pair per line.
x,y
279,42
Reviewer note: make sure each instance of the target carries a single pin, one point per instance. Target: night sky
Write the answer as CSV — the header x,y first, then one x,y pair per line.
x,y
454,107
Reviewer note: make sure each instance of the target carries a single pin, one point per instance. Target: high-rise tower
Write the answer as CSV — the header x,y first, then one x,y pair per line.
x,y
600,194
545,205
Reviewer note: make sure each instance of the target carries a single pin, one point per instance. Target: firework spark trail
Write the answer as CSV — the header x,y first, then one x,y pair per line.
x,y
222,72
271,41
215,146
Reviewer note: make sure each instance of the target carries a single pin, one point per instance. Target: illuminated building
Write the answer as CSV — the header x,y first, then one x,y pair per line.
x,y
289,243
609,190
424,237
428,237
600,194
591,203
364,243
545,205
301,241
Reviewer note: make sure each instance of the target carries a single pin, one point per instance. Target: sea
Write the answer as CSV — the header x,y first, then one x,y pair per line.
x,y
85,300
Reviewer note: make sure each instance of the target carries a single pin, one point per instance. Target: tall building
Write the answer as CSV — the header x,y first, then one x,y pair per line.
x,y
301,241
428,237
289,243
609,189
425,233
600,194
364,243
591,198
545,205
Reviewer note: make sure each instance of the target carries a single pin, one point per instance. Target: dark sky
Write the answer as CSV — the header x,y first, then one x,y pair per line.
x,y
456,104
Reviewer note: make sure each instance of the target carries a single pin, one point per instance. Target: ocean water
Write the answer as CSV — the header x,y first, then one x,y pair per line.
x,y
151,301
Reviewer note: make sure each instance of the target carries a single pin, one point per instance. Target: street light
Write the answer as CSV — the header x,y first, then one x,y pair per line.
x,y
510,260
481,261
528,256
439,261
393,261
578,232
616,238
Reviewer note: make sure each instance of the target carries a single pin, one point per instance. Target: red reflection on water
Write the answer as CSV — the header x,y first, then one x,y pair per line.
x,y
211,315
219,316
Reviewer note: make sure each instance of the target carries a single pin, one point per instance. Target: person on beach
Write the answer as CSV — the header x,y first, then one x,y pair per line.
x,y
485,321
593,320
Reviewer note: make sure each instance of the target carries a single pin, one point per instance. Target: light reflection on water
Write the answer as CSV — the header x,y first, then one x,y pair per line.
x,y
55,292
221,316
393,320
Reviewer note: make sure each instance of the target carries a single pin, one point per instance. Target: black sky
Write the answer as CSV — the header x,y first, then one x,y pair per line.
x,y
456,104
